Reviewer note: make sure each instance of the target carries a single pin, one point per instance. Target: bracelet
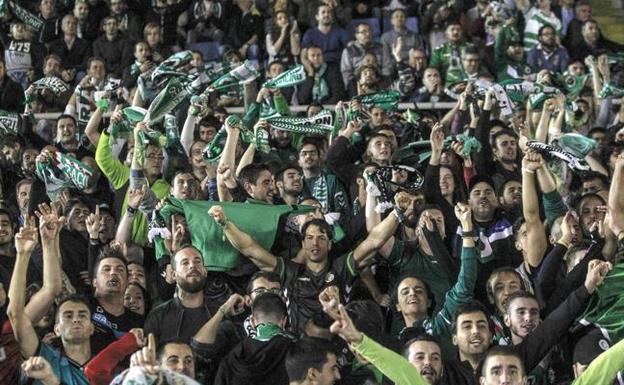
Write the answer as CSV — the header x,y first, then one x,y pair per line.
x,y
469,234
399,214
131,211
527,170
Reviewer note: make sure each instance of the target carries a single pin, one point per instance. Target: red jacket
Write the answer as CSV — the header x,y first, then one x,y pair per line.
x,y
99,371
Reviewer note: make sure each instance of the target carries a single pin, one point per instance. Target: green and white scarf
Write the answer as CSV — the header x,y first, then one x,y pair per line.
x,y
610,91
243,74
52,83
166,100
319,124
320,89
26,17
10,123
286,79
62,171
388,100
319,189
212,151
264,332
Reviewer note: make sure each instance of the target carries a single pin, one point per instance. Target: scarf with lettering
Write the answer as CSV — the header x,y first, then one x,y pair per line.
x,y
10,123
286,79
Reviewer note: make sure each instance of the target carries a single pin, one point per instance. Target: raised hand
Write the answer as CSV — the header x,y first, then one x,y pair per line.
x,y
50,224
596,273
532,161
218,214
135,196
39,368
463,212
345,328
226,176
139,336
146,357
437,138
26,240
178,234
234,306
569,229
94,224
330,299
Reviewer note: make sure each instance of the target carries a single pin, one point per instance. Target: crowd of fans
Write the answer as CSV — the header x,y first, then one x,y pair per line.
x,y
476,244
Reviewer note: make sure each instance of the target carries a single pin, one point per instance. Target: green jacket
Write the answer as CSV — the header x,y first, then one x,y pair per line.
x,y
118,175
505,67
447,57
391,364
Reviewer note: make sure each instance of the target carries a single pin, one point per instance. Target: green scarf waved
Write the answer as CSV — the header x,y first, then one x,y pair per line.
x,y
10,123
264,332
62,171
208,236
286,79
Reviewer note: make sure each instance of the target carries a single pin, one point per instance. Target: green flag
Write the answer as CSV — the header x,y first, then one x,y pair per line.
x,y
606,307
288,78
26,17
260,221
10,123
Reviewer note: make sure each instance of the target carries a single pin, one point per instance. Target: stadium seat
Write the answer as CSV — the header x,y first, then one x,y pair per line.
x,y
210,50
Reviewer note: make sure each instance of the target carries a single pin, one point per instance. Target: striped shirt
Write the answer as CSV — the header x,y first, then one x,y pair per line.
x,y
535,19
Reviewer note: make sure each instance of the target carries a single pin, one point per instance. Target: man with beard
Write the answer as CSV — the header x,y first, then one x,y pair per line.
x,y
424,353
447,57
22,196
327,37
325,187
304,281
181,318
413,299
146,166
510,198
472,333
7,251
110,318
28,162
499,155
492,231
289,183
548,54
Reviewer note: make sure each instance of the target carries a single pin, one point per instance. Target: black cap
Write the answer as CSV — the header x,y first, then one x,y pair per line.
x,y
478,179
590,346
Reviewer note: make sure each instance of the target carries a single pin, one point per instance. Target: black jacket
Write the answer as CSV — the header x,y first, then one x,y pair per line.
x,y
74,58
334,82
11,95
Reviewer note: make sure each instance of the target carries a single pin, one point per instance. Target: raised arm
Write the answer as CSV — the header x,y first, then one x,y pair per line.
x,y
373,218
25,335
616,195
243,242
188,129
235,305
91,131
535,245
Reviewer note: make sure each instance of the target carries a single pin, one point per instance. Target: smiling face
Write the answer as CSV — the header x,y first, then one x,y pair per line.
x,y
292,182
263,189
412,299
324,15
506,148
501,286
66,131
483,201
512,194
522,317
427,358
6,230
134,300
136,274
447,182
473,335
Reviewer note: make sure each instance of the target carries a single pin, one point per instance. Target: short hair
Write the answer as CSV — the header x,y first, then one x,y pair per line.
x,y
269,306
161,348
311,141
307,353
321,224
73,202
251,173
52,56
471,50
420,337
367,317
543,27
314,104
395,293
108,252
12,219
589,175
150,26
516,295
78,298
467,308
504,131
183,247
279,175
267,275
502,350
501,270
97,58
23,182
65,116
209,121
398,10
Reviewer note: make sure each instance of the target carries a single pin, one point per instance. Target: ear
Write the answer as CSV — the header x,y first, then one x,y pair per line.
x,y
248,188
247,300
507,320
482,380
518,245
455,339
501,200
279,184
312,374
57,330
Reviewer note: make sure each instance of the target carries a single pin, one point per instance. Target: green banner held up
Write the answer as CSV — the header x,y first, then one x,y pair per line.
x,y
286,79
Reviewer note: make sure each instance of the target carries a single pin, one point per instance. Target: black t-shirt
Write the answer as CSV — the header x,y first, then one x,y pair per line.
x,y
109,328
303,286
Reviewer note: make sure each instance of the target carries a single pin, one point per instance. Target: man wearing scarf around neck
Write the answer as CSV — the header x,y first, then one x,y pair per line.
x,y
323,83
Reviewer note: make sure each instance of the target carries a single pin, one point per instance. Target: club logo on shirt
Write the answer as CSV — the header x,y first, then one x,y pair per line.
x,y
329,277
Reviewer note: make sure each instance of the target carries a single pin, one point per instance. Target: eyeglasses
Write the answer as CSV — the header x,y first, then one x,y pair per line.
x,y
155,156
262,290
